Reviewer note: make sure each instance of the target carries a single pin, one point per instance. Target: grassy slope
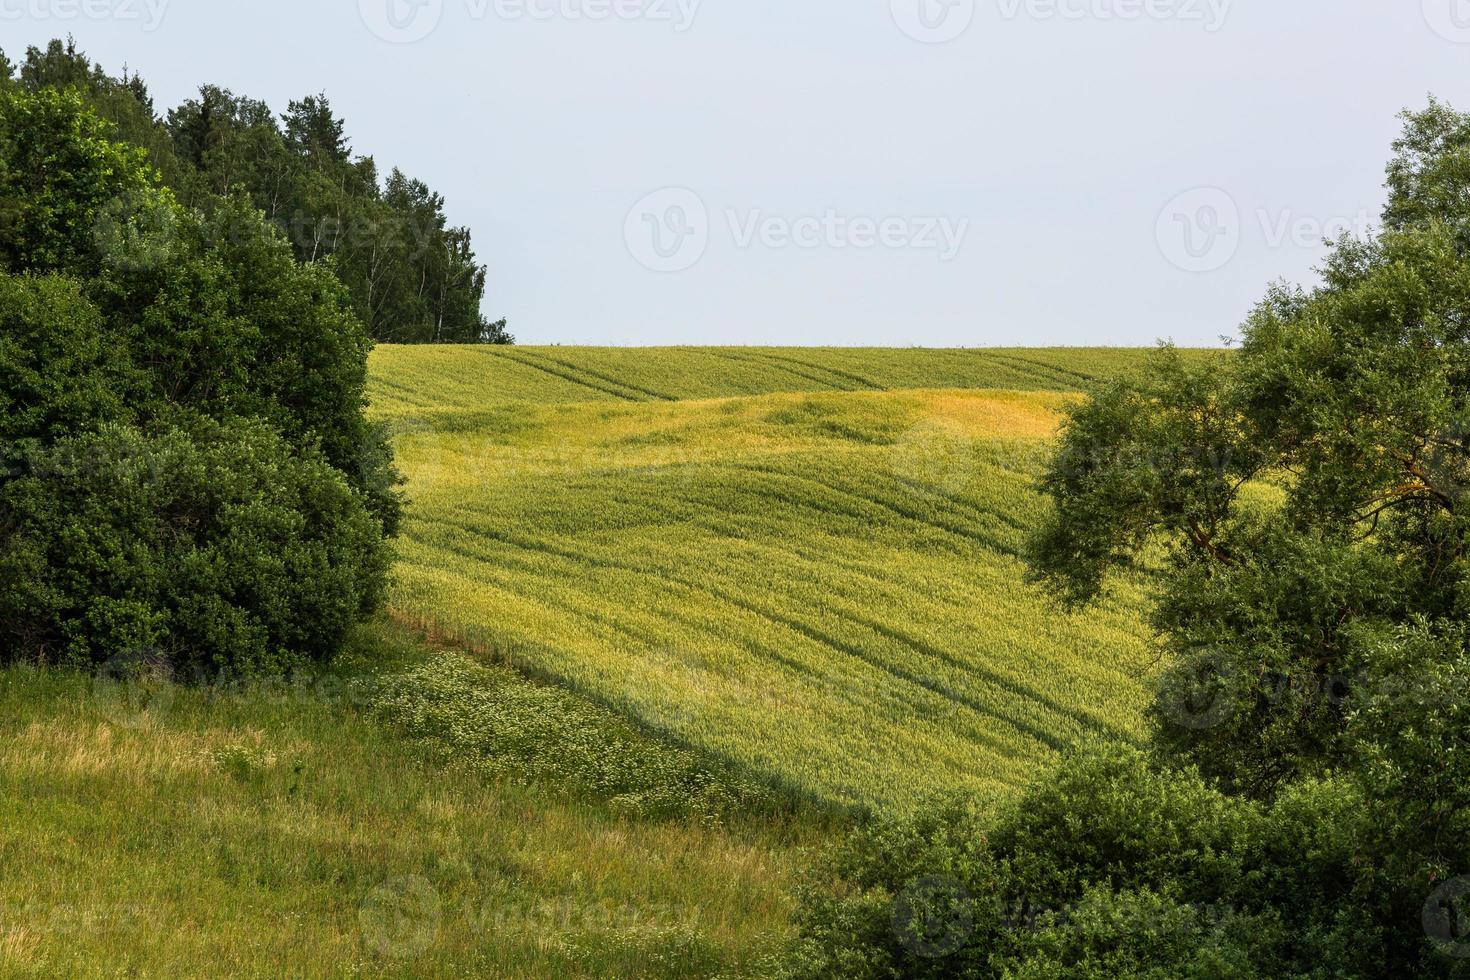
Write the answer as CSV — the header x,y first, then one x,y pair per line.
x,y
663,556
822,586
288,833
416,379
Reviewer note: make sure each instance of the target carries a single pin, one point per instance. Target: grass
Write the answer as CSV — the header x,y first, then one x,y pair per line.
x,y
438,378
822,587
702,603
292,832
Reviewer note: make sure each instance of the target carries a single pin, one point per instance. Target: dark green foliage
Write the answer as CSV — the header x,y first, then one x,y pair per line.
x,y
410,276
187,465
1334,507
234,325
61,372
1118,867
1409,736
1304,511
214,544
214,310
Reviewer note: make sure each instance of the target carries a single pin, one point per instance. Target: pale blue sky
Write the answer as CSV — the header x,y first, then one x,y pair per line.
x,y
841,177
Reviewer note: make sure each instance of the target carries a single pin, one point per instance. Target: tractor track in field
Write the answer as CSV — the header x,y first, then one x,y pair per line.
x,y
996,680
566,376
608,379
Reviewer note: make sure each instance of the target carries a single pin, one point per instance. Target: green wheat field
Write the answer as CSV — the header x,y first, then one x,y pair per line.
x,y
804,561
664,621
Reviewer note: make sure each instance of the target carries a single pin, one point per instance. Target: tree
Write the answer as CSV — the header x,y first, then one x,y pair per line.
x,y
188,464
315,134
1311,496
233,144
124,101
1302,510
61,174
410,276
214,545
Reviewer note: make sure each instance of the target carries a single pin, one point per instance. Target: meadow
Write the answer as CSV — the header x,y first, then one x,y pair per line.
x,y
804,562
662,621
321,828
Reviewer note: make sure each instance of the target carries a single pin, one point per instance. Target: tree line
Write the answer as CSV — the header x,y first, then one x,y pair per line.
x,y
188,480
410,276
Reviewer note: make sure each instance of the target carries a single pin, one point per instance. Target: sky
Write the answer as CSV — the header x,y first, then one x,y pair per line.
x,y
846,172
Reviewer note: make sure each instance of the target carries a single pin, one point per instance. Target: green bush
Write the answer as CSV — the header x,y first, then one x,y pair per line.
x,y
186,467
1117,866
213,544
213,312
60,371
231,324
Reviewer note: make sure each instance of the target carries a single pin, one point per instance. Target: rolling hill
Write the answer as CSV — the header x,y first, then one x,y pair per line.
x,y
803,561
738,579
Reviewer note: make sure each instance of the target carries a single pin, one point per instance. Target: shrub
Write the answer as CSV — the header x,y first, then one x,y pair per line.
x,y
128,520
214,312
60,372
232,324
1117,866
211,543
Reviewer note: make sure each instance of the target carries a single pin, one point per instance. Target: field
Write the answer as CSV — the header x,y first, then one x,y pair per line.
x,y
685,607
294,831
801,561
